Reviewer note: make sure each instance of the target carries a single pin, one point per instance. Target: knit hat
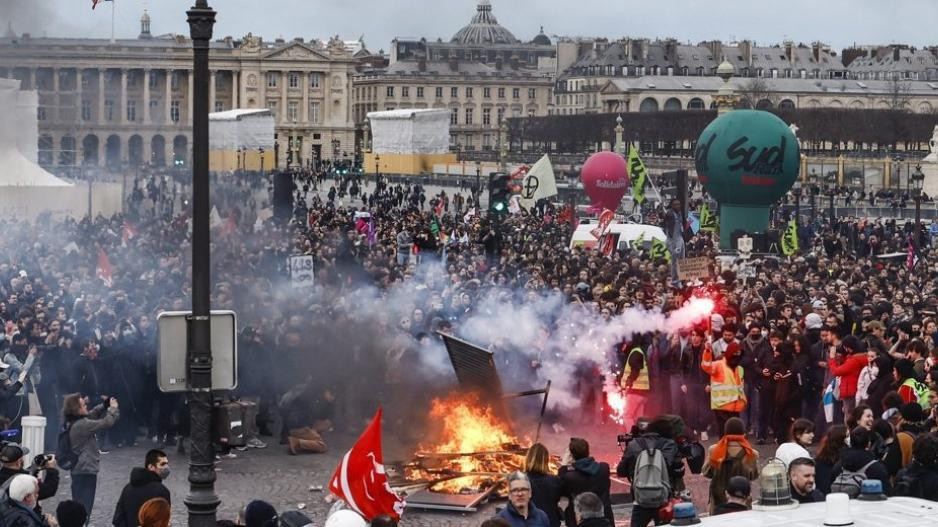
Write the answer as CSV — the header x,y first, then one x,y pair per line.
x,y
813,321
912,413
155,512
70,513
259,513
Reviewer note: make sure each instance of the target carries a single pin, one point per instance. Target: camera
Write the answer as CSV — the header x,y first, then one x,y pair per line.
x,y
41,462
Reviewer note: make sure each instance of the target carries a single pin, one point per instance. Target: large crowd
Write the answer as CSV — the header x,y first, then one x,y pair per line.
x,y
841,335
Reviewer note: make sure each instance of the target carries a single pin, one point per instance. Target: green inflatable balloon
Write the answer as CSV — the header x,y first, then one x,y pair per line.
x,y
747,157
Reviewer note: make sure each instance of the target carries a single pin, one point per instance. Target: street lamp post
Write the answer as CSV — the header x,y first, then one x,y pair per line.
x,y
478,176
918,180
202,502
377,169
831,184
796,191
261,152
813,179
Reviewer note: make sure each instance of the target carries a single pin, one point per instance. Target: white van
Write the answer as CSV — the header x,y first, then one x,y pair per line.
x,y
625,234
904,512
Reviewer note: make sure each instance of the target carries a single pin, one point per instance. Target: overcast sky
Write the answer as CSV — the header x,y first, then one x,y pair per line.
x,y
837,22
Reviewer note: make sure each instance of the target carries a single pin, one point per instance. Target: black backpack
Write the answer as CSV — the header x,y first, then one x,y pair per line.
x,y
65,455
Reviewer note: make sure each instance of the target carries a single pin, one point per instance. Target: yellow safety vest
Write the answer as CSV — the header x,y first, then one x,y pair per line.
x,y
920,391
642,382
726,393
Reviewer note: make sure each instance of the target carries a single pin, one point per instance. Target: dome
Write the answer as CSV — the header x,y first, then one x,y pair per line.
x,y
484,29
541,39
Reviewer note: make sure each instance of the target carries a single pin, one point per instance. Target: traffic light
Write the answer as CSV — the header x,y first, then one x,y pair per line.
x,y
499,193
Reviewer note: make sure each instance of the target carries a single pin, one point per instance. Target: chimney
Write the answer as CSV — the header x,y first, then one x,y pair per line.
x,y
453,63
789,51
716,50
498,63
514,61
895,53
422,62
816,51
670,50
644,50
746,48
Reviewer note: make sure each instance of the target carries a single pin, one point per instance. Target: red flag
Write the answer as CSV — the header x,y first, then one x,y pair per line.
x,y
104,271
360,479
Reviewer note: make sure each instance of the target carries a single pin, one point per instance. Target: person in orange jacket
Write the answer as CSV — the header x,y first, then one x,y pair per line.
x,y
727,394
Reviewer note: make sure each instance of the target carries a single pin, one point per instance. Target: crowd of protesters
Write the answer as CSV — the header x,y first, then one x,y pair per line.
x,y
79,299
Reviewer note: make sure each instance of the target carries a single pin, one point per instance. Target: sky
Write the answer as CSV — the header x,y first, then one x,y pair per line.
x,y
839,23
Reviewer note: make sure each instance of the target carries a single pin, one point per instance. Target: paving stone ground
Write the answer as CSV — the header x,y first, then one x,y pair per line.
x,y
284,480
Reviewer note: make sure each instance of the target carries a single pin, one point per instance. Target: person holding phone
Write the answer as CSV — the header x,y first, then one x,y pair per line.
x,y
82,424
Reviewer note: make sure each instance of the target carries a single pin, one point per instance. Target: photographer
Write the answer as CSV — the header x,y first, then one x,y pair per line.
x,y
657,436
82,425
12,458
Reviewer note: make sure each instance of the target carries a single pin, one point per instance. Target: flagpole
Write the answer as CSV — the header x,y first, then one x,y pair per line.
x,y
113,3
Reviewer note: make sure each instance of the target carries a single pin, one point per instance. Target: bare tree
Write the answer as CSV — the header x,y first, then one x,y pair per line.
x,y
755,93
897,92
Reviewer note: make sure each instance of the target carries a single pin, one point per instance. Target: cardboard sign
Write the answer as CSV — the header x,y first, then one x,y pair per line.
x,y
301,271
693,268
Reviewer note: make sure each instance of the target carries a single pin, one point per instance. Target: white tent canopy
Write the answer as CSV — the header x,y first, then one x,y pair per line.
x,y
19,132
241,128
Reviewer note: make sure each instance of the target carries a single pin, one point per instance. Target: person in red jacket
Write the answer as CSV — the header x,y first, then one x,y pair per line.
x,y
846,363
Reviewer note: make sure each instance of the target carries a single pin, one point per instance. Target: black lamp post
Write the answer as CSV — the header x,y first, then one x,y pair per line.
x,y
478,176
796,191
202,502
377,169
261,152
831,188
918,180
813,187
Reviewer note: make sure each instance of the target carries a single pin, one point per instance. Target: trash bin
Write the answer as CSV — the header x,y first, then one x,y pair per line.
x,y
34,436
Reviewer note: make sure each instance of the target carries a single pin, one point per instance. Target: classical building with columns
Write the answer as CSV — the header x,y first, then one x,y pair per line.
x,y
481,75
128,103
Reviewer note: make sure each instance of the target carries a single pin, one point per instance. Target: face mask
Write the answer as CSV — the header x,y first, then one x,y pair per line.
x,y
164,472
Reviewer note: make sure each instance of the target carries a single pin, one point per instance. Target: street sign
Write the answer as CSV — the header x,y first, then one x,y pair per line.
x,y
172,336
302,271
693,268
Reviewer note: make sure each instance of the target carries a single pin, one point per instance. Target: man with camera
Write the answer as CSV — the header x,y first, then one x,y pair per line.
x,y
13,458
651,489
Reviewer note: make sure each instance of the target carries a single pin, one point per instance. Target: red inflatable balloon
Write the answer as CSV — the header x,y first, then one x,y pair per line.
x,y
605,178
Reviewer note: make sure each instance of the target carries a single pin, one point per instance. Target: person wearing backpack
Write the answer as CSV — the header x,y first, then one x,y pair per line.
x,y
78,447
652,464
732,456
857,463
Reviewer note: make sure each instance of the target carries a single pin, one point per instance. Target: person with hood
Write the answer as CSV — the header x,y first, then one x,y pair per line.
x,y
727,393
920,478
731,456
146,482
755,348
846,363
859,457
656,436
881,384
582,474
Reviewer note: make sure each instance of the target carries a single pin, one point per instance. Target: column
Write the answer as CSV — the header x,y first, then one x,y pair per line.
x,y
167,104
211,92
123,106
235,89
189,97
79,99
102,150
146,95
100,95
54,114
304,112
32,78
283,96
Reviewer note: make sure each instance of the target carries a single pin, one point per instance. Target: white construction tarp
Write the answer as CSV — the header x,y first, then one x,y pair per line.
x,y
410,131
19,132
241,128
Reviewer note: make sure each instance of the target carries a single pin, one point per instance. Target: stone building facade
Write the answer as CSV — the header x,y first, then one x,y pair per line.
x,y
482,75
128,103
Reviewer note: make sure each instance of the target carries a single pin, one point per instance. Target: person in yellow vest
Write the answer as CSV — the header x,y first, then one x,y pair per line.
x,y
727,394
635,380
